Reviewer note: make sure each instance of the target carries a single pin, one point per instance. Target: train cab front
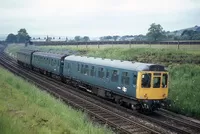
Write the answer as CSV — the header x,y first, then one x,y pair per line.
x,y
152,90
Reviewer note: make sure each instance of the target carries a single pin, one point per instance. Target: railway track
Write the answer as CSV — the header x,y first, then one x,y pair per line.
x,y
122,119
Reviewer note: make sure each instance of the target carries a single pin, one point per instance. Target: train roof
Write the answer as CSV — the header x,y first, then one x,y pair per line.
x,y
127,65
26,51
50,55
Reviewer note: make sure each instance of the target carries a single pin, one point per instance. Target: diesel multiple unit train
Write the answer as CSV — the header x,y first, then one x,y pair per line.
x,y
141,86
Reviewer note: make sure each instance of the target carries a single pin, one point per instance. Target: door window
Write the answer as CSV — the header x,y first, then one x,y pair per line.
x,y
86,70
164,80
92,72
146,80
101,72
78,68
156,82
115,76
125,78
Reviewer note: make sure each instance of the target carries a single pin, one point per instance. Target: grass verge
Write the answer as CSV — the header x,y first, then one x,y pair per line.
x,y
25,109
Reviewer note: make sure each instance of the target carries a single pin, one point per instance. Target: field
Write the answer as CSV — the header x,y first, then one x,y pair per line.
x,y
24,109
182,64
166,46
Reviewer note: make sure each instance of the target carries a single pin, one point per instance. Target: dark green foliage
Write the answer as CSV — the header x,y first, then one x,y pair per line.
x,y
115,37
184,89
155,32
86,38
11,38
77,38
190,35
21,37
106,38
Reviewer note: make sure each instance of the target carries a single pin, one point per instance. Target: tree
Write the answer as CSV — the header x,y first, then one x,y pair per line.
x,y
86,38
155,31
66,39
106,38
77,38
11,38
22,36
188,34
140,37
196,37
116,37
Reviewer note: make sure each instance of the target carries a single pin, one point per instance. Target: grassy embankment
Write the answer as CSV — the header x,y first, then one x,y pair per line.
x,y
183,66
24,109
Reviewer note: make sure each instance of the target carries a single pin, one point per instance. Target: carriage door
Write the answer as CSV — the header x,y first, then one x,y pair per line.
x,y
61,66
68,68
107,76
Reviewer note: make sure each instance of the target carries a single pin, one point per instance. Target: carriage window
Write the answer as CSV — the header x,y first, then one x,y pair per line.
x,y
115,76
82,68
125,78
92,72
68,66
101,73
78,68
86,70
146,80
156,82
134,79
47,61
107,74
164,80
52,62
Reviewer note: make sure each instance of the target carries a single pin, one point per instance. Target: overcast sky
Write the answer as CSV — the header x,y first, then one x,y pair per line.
x,y
96,17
